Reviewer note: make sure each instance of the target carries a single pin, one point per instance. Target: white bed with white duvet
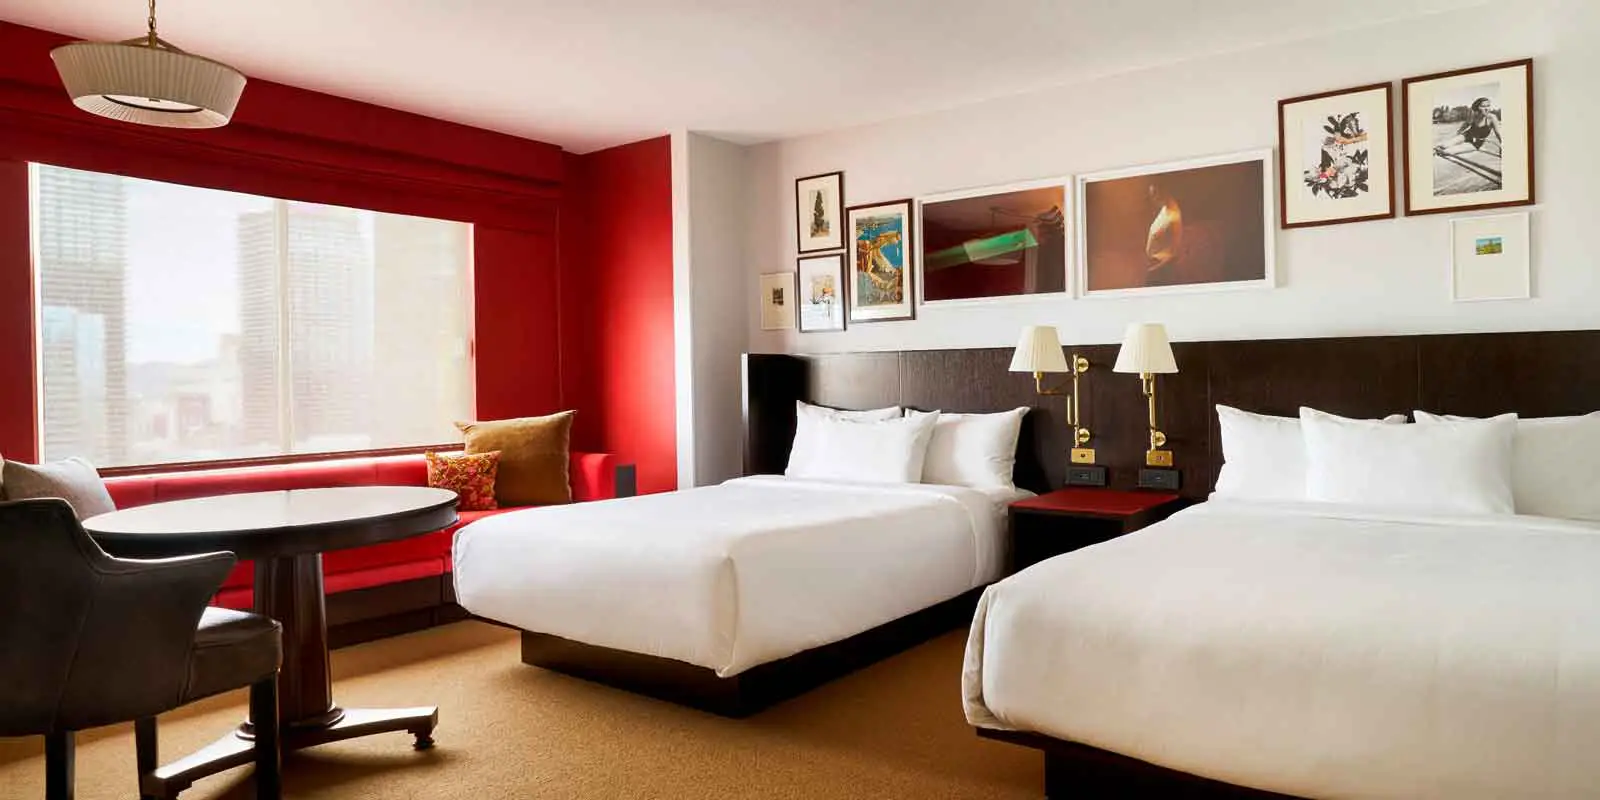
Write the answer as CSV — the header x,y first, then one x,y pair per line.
x,y
1329,624
879,517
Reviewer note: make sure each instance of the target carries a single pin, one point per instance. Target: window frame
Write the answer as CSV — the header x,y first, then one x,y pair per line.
x,y
285,390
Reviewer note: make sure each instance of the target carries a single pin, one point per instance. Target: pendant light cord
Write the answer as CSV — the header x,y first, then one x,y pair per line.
x,y
153,23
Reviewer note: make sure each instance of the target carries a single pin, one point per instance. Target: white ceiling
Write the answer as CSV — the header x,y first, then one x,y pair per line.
x,y
588,74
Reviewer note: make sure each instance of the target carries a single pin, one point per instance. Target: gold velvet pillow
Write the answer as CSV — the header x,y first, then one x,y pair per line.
x,y
533,457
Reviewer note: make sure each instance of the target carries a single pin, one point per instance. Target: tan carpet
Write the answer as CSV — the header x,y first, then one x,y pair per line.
x,y
508,730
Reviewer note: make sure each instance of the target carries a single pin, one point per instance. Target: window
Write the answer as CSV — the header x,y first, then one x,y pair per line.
x,y
182,324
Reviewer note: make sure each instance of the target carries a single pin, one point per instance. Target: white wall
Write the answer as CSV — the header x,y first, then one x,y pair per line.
x,y
711,278
1363,278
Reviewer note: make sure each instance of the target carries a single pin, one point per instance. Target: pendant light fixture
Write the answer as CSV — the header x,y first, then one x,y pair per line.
x,y
149,82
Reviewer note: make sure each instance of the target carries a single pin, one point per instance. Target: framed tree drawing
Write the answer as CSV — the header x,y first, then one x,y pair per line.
x,y
1336,156
1469,138
818,203
880,264
821,297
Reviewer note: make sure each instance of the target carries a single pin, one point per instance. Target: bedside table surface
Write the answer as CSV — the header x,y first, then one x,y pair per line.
x,y
1096,501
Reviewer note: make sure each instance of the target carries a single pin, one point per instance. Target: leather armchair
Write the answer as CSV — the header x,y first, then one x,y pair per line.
x,y
89,640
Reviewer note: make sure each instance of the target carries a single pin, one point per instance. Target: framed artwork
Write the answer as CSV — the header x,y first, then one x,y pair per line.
x,y
777,301
1197,225
1336,156
1489,258
1469,138
999,241
880,266
818,201
821,296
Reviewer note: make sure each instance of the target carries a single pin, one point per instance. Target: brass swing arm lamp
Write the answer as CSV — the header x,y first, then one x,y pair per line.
x,y
1146,351
1039,351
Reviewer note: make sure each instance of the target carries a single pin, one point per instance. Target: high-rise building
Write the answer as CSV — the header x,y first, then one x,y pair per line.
x,y
82,243
422,295
308,266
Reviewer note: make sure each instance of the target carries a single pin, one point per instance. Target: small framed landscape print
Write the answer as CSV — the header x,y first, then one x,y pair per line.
x,y
880,263
1489,258
1199,225
1336,156
818,205
1469,138
777,301
999,241
821,297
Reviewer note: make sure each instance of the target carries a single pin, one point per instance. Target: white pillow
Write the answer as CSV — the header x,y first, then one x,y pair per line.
x,y
1264,457
883,451
976,450
805,431
1444,467
1554,461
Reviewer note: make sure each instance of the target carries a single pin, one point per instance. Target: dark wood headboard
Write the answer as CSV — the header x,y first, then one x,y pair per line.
x,y
1535,374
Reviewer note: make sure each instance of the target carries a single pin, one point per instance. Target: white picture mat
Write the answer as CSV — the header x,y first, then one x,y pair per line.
x,y
905,309
814,317
775,317
1269,211
1302,135
1513,100
832,187
1065,182
1506,275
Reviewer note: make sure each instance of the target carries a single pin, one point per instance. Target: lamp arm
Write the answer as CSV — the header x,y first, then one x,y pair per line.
x,y
1157,438
1079,365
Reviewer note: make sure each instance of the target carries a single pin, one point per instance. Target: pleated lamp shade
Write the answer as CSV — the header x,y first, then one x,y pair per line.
x,y
148,82
1145,350
1039,350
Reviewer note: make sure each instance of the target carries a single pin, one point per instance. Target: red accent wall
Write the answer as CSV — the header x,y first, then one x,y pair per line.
x,y
617,309
293,143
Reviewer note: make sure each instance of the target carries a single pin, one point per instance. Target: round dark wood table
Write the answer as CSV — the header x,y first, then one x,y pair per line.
x,y
285,533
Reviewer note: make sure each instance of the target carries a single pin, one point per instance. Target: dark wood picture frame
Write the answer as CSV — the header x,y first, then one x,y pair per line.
x,y
908,255
838,212
1284,148
1405,126
841,273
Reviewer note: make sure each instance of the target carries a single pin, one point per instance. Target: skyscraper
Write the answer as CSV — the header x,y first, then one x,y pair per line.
x,y
82,292
320,285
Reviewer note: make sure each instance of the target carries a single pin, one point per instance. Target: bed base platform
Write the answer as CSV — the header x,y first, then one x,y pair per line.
x,y
1073,770
758,687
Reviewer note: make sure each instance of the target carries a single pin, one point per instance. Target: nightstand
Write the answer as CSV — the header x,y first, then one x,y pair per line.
x,y
1078,516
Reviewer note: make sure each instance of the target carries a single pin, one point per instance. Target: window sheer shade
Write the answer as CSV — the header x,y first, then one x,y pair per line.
x,y
179,324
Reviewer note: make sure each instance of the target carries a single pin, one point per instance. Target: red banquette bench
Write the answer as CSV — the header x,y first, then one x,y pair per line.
x,y
371,591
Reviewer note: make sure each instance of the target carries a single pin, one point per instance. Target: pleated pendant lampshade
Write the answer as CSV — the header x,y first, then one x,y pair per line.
x,y
149,82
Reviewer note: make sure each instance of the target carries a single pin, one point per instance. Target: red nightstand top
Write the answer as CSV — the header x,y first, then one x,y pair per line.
x,y
1096,501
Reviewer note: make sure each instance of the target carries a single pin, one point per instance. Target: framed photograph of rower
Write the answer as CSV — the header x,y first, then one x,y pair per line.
x,y
1469,138
880,262
818,206
1336,157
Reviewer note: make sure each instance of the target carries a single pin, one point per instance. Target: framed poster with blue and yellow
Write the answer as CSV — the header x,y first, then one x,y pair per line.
x,y
881,280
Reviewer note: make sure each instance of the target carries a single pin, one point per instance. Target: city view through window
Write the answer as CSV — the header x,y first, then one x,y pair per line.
x,y
186,324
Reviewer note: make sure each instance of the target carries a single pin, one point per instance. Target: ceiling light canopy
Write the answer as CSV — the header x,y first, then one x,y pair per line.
x,y
149,82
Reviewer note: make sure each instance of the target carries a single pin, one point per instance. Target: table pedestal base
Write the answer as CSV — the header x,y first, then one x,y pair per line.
x,y
237,748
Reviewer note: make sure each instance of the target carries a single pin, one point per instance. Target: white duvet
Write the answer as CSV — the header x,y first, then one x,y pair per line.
x,y
731,576
1314,651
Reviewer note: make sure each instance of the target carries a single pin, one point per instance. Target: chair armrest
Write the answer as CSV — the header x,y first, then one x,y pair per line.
x,y
137,638
600,476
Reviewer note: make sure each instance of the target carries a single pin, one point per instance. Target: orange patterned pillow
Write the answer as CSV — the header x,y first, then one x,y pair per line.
x,y
469,476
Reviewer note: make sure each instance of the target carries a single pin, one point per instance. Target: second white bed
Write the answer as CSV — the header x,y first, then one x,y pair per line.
x,y
1315,650
732,576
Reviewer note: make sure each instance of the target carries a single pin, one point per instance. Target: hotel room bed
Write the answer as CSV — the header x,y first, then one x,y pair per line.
x,y
731,577
1310,649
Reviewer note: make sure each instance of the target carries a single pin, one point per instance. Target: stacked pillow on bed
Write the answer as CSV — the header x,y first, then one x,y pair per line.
x,y
1442,464
895,445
